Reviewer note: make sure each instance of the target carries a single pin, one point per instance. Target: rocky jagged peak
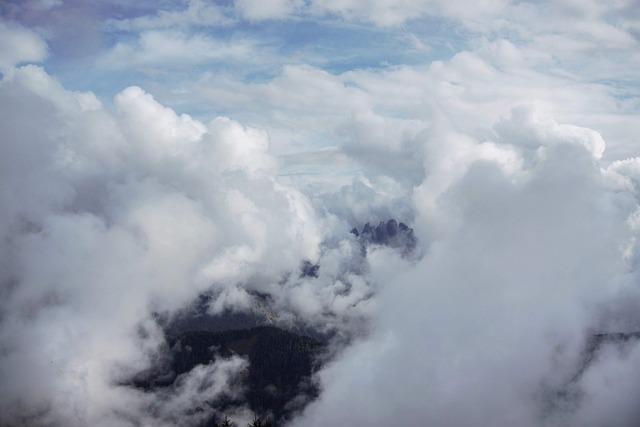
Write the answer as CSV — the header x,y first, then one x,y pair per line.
x,y
389,233
367,228
309,269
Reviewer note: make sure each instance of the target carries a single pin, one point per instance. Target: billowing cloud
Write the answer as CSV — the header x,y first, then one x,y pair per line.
x,y
19,44
492,321
96,204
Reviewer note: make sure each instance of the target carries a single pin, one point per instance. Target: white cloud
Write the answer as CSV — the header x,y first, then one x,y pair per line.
x,y
19,44
260,10
396,12
184,403
532,131
497,309
178,49
198,13
108,216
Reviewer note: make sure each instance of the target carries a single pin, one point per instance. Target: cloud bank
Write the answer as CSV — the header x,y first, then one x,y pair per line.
x,y
492,321
95,205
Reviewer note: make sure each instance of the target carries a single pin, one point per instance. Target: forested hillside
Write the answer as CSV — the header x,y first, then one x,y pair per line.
x,y
278,379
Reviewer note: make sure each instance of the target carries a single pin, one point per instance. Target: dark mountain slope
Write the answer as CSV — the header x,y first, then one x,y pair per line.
x,y
281,364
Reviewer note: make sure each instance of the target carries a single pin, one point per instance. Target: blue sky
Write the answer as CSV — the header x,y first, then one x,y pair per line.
x,y
185,52
328,43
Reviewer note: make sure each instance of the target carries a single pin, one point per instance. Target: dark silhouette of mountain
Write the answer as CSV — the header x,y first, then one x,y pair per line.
x,y
569,395
282,356
389,233
309,270
196,316
597,342
279,378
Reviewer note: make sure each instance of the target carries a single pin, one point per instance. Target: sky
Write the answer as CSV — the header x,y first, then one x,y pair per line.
x,y
151,151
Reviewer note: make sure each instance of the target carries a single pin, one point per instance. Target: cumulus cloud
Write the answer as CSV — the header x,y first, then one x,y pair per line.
x,y
96,205
493,318
19,44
